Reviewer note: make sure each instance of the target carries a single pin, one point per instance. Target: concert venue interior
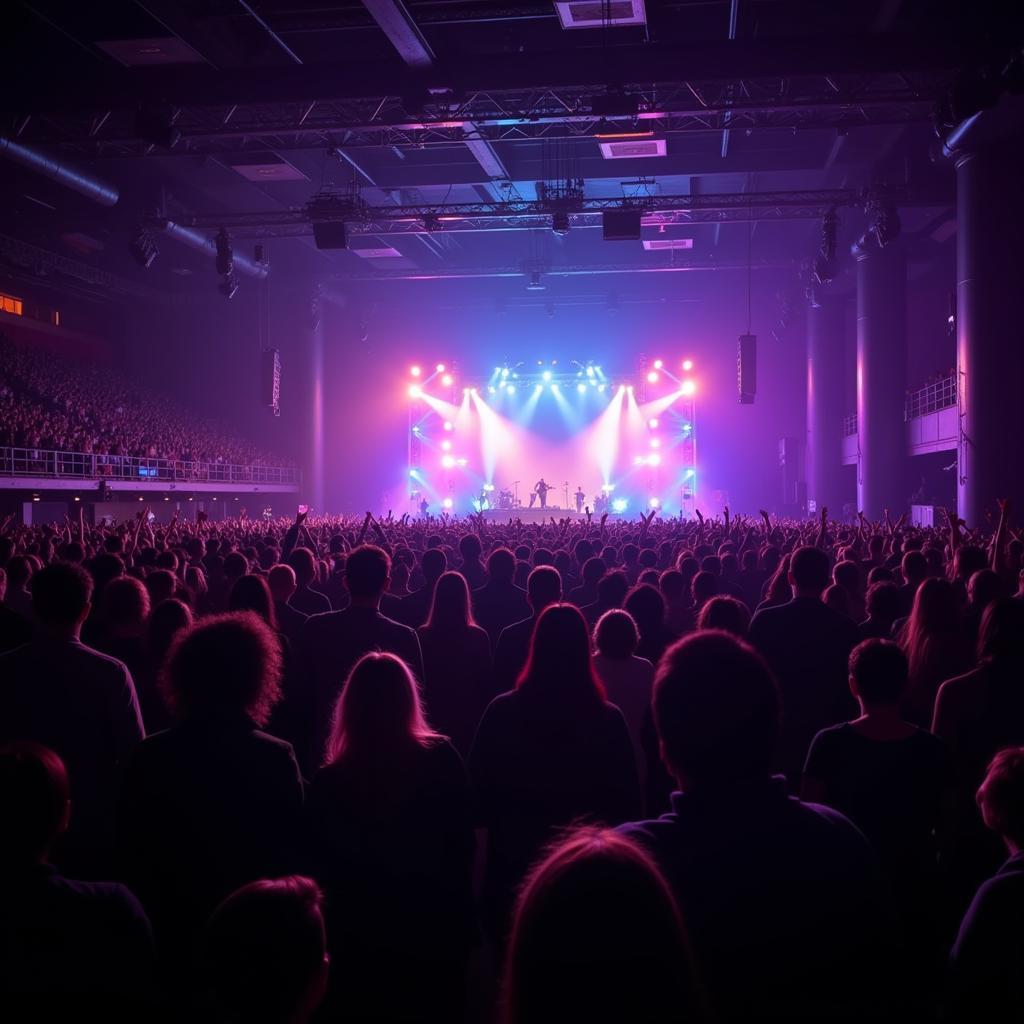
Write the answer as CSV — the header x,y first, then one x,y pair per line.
x,y
363,326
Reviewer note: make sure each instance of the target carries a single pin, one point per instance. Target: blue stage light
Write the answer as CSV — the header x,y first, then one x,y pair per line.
x,y
620,505
581,388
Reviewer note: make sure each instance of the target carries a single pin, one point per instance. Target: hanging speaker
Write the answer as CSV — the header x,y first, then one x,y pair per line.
x,y
621,225
746,368
330,234
270,379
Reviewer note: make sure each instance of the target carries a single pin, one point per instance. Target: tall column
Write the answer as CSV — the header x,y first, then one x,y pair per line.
x,y
881,378
823,463
315,483
990,329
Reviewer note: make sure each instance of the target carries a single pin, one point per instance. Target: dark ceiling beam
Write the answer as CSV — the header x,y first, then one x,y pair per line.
x,y
218,49
403,34
657,211
708,61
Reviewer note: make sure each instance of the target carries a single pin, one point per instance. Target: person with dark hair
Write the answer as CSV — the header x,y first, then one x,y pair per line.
x,y
984,587
987,960
979,714
414,609
161,584
678,611
15,628
914,570
306,599
550,752
590,575
847,575
779,897
892,780
703,587
330,645
389,836
543,588
166,621
499,602
647,607
612,589
883,609
597,936
724,612
471,567
456,663
283,585
627,678
122,623
213,802
935,643
18,596
69,948
807,645
263,955
251,593
77,702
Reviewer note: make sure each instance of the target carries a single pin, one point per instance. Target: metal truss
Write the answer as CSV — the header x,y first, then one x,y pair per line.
x,y
521,214
509,115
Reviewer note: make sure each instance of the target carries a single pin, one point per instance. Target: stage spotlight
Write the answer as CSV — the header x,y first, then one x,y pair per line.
x,y
493,390
446,380
688,387
546,375
416,429
653,424
607,488
143,249
560,222
629,388
448,425
554,388
687,365
655,442
658,364
446,446
600,387
447,503
590,371
654,459
511,389
415,371
581,388
488,487
654,503
472,391
619,505
228,286
415,391
439,367
504,372
652,378
448,461
538,389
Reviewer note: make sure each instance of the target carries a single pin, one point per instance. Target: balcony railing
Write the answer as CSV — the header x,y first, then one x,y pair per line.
x,y
39,462
850,425
940,394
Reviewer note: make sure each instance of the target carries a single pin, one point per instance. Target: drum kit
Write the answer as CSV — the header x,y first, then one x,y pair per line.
x,y
507,500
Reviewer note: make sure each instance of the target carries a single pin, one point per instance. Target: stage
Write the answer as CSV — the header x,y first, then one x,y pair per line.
x,y
532,515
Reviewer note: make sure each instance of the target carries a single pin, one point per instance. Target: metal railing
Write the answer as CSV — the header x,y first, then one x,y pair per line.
x,y
850,425
939,394
40,462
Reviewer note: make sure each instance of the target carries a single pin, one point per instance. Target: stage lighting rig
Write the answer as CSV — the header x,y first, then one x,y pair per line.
x,y
225,254
227,287
885,225
144,249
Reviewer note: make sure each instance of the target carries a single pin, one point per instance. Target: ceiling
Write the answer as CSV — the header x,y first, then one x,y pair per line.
x,y
236,114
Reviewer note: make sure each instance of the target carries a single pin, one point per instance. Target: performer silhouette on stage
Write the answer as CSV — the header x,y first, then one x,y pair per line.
x,y
424,507
580,498
540,490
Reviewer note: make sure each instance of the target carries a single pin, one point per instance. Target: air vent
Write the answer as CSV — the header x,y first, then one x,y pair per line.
x,y
600,13
632,149
383,253
147,53
266,167
652,244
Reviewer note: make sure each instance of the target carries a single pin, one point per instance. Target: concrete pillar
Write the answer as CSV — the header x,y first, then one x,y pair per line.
x,y
881,379
825,328
314,480
990,328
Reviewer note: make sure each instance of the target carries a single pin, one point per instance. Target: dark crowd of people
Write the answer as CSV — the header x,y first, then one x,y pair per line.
x,y
349,769
49,404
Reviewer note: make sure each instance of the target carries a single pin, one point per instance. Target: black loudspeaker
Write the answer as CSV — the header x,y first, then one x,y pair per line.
x,y
330,234
746,368
270,379
621,225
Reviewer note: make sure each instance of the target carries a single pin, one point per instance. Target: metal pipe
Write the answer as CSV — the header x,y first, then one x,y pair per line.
x,y
203,243
49,167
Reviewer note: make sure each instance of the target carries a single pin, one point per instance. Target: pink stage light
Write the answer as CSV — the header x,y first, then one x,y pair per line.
x,y
654,459
655,442
448,461
653,424
652,378
658,364
447,503
687,365
446,380
415,391
415,371
446,446
440,367
448,425
688,387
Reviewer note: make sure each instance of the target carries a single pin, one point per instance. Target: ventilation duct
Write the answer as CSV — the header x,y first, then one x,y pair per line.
x,y
97,191
201,243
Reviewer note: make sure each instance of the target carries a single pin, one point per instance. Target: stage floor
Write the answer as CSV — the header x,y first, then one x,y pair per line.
x,y
531,515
